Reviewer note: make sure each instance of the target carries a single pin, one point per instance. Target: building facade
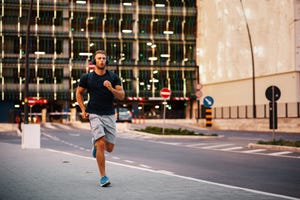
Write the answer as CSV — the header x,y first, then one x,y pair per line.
x,y
150,44
243,47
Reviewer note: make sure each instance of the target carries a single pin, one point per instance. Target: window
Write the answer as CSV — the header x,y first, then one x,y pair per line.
x,y
79,21
80,46
145,24
95,22
46,74
113,51
46,44
46,18
32,44
11,44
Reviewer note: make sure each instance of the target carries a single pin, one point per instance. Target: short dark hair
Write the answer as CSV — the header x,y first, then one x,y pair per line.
x,y
99,52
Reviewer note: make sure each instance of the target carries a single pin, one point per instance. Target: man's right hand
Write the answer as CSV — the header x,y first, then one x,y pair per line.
x,y
84,115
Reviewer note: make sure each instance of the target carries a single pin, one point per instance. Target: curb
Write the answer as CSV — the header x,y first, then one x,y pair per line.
x,y
273,147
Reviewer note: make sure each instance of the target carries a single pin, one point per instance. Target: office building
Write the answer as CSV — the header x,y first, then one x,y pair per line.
x,y
150,44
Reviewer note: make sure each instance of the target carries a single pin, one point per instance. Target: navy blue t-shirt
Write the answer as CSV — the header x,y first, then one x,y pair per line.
x,y
101,99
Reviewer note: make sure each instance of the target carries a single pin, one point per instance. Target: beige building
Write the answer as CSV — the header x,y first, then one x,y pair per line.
x,y
224,57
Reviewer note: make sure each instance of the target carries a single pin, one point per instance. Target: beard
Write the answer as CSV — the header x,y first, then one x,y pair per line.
x,y
101,67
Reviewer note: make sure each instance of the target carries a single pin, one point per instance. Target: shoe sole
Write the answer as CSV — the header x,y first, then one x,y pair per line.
x,y
105,184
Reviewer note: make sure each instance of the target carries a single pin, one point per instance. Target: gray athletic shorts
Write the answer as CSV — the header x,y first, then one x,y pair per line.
x,y
103,125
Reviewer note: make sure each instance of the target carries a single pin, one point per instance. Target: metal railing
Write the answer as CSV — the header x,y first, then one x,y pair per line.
x,y
284,110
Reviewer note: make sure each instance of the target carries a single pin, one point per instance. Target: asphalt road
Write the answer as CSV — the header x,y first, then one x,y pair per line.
x,y
225,160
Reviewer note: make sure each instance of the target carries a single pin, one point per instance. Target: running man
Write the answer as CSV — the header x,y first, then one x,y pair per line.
x,y
102,85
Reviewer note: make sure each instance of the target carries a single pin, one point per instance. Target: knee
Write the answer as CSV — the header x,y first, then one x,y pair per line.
x,y
100,144
109,147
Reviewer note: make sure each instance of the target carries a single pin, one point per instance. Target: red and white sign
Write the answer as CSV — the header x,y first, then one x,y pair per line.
x,y
165,93
91,66
34,100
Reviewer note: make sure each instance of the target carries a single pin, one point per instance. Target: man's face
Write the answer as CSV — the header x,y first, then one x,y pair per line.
x,y
100,60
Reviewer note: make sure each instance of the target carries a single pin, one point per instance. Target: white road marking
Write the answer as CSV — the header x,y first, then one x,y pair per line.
x,y
279,153
254,151
216,146
144,166
231,148
129,161
196,145
167,173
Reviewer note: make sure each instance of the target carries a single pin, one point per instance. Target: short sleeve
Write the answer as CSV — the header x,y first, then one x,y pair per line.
x,y
117,80
84,81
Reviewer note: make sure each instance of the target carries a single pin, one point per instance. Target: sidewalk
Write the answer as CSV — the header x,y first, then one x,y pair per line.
x,y
48,174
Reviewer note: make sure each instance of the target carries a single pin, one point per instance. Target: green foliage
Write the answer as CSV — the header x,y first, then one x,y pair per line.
x,y
281,142
172,131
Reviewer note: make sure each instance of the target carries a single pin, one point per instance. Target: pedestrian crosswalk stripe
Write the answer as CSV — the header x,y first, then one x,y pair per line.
x,y
196,145
231,148
279,153
217,146
254,151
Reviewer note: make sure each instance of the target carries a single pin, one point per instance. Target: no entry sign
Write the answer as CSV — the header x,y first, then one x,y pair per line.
x,y
165,93
34,100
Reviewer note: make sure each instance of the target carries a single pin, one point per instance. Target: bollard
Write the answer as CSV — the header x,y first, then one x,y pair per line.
x,y
208,117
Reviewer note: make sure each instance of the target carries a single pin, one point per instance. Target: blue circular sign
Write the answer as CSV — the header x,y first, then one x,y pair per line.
x,y
208,101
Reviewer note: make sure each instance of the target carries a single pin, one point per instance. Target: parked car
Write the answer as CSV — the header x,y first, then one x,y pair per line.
x,y
125,115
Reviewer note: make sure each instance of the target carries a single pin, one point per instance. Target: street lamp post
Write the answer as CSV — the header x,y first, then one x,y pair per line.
x,y
26,91
252,60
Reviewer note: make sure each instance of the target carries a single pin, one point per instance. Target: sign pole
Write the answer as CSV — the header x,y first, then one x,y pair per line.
x,y
273,111
273,94
165,93
164,116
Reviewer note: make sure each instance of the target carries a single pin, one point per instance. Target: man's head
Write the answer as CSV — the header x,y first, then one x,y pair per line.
x,y
100,59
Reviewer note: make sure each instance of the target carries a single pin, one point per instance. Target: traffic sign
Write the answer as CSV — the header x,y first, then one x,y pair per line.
x,y
273,93
165,93
208,101
34,100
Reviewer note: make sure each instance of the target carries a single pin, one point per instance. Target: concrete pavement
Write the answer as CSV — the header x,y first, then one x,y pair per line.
x,y
48,174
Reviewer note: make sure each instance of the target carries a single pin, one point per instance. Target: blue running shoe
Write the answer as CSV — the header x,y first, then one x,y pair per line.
x,y
104,181
93,148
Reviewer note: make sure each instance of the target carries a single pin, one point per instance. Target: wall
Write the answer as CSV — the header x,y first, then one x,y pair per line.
x,y
224,54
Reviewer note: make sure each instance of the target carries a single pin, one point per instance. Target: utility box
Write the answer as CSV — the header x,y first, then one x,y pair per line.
x,y
31,136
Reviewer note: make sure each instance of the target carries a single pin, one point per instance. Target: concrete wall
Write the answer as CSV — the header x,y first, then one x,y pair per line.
x,y
224,53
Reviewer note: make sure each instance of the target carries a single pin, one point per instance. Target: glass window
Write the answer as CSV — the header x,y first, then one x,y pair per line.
x,y
176,3
79,21
32,44
176,80
145,51
159,25
112,22
145,24
113,51
127,22
11,44
145,86
190,27
46,45
59,18
10,16
46,17
126,55
176,24
58,73
95,22
176,53
127,77
45,74
80,46
96,45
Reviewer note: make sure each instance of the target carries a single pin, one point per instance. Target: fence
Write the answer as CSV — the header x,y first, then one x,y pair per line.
x,y
284,110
